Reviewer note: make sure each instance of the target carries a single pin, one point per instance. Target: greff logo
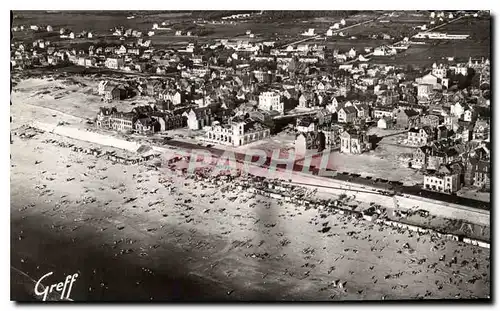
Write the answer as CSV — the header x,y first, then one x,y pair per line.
x,y
58,287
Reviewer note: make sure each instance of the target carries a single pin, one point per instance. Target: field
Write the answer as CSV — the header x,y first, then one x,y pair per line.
x,y
102,22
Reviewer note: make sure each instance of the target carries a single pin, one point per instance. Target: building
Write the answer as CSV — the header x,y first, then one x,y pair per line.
x,y
173,96
431,120
478,172
198,118
424,90
308,141
421,157
421,136
481,130
237,132
306,100
270,101
147,125
406,118
112,92
347,114
379,112
439,71
123,121
354,141
114,63
385,123
457,109
104,117
446,179
306,124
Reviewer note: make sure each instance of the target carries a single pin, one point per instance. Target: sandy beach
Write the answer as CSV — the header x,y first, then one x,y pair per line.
x,y
232,245
136,233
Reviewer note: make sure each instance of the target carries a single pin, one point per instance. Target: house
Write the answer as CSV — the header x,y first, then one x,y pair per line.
x,y
446,179
174,96
104,115
173,121
421,157
457,109
306,100
270,101
384,51
123,121
362,111
481,130
421,136
112,92
198,118
152,88
406,118
478,171
325,117
470,114
114,63
464,133
347,114
354,141
431,120
133,51
147,125
379,112
332,134
439,71
385,123
237,132
307,141
306,124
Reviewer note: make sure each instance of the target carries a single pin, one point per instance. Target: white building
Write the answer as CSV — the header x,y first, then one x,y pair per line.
x,y
236,133
309,32
446,179
270,101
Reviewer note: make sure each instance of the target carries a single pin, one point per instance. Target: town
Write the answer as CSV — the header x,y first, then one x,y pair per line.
x,y
361,98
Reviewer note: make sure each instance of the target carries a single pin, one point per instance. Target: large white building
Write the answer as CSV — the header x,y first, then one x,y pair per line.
x,y
446,179
270,101
236,132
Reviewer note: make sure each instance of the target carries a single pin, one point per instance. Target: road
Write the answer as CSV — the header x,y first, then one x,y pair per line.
x,y
401,41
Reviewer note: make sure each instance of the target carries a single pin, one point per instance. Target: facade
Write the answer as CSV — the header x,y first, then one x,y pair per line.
x,y
406,118
430,120
198,118
383,112
113,92
481,130
236,133
309,141
114,63
173,96
421,157
270,101
347,114
385,123
123,121
354,142
104,117
306,124
445,180
421,136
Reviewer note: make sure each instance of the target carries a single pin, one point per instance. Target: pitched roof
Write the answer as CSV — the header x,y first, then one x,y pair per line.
x,y
349,109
